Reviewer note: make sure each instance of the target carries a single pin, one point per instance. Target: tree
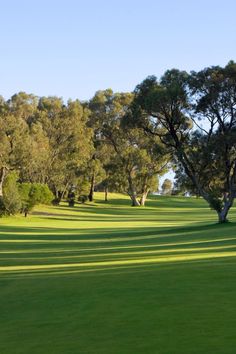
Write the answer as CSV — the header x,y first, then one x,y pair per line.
x,y
10,201
107,155
182,183
96,174
136,169
32,194
166,186
15,142
195,117
69,141
102,108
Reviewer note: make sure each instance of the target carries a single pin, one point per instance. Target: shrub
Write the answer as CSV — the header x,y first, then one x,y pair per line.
x,y
33,194
11,200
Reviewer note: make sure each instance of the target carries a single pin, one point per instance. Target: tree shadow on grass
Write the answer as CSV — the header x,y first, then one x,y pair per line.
x,y
60,233
158,201
122,212
226,261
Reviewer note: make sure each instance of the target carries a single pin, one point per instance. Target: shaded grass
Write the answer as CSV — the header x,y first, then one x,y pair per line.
x,y
107,278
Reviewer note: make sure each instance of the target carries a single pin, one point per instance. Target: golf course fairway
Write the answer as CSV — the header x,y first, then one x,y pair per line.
x,y
107,278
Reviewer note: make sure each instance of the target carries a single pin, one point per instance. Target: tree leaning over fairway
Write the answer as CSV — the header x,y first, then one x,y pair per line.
x,y
195,117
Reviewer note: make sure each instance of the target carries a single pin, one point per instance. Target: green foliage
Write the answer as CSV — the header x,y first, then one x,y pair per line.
x,y
215,201
11,200
167,186
33,194
131,160
83,186
194,116
126,141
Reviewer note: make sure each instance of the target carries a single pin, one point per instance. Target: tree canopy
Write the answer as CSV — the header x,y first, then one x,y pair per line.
x,y
125,141
195,117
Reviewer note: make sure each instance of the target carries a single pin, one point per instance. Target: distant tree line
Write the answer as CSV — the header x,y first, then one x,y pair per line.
x,y
123,142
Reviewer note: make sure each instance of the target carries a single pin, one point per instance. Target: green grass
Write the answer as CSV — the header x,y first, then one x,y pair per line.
x,y
111,279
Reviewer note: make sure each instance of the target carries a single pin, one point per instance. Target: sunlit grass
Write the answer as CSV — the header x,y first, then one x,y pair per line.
x,y
108,278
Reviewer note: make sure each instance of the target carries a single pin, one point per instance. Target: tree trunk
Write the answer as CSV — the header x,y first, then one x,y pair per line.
x,y
221,217
2,177
143,198
134,200
132,193
64,191
60,196
106,194
222,214
228,201
91,192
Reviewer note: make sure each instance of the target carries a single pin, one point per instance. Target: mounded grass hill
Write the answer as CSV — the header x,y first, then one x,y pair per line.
x,y
111,279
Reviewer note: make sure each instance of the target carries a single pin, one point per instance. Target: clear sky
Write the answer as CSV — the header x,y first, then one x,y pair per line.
x,y
73,48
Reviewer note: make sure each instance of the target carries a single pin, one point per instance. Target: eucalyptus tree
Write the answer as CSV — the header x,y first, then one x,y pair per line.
x,y
134,155
37,167
24,145
69,140
23,105
15,142
103,108
106,156
195,117
143,161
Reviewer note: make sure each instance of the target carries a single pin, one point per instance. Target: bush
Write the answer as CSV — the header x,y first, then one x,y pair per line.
x,y
33,194
40,193
22,197
11,200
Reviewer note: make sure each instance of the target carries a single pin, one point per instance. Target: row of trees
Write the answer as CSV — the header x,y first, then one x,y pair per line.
x,y
75,147
125,141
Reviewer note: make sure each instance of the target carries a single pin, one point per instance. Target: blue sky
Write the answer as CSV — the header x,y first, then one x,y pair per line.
x,y
74,48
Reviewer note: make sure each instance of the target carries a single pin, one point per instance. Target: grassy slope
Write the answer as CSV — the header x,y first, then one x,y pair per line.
x,y
108,278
